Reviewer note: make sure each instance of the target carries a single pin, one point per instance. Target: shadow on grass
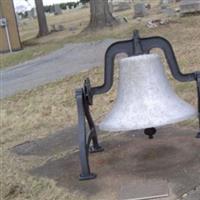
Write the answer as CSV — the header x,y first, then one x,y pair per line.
x,y
60,141
30,42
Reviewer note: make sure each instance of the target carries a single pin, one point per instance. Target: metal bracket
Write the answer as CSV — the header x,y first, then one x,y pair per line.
x,y
137,44
87,91
84,137
134,47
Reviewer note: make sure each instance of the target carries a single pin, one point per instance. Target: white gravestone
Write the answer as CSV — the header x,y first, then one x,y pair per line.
x,y
191,6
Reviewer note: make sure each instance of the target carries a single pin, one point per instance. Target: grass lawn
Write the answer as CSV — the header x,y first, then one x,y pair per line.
x,y
37,113
34,47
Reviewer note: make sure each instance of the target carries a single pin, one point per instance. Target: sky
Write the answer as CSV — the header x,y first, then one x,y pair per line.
x,y
22,5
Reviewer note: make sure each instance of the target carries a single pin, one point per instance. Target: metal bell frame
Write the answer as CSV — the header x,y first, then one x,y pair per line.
x,y
84,96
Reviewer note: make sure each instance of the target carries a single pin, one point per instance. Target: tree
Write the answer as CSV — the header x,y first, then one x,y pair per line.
x,y
100,15
42,22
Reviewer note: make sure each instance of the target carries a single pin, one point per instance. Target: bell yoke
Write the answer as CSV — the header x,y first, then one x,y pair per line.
x,y
144,95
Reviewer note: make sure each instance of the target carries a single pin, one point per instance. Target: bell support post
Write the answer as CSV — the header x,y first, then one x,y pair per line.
x,y
198,97
84,96
83,100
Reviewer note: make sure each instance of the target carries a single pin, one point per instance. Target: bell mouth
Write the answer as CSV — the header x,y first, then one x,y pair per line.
x,y
109,127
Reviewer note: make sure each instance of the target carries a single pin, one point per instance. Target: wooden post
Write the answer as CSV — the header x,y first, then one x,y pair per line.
x,y
11,33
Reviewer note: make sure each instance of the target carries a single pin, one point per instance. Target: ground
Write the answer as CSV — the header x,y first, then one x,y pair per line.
x,y
74,23
39,141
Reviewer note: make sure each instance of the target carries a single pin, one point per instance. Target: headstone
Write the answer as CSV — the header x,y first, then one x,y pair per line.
x,y
140,10
166,8
56,28
86,5
51,9
165,3
57,9
79,6
121,6
170,12
32,13
121,19
191,6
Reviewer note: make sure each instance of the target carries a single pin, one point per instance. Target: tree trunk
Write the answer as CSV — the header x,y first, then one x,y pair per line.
x,y
100,15
42,22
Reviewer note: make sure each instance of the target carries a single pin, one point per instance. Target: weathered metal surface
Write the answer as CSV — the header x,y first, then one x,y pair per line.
x,y
145,98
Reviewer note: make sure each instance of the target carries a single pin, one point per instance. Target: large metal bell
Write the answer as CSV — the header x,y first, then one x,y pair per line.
x,y
145,98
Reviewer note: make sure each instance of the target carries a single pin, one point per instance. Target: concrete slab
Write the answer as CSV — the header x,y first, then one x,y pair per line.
x,y
131,159
144,190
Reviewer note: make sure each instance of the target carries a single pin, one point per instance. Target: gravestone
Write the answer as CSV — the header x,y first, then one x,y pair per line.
x,y
191,6
121,19
57,9
121,6
57,28
32,14
79,6
166,8
165,3
170,12
139,10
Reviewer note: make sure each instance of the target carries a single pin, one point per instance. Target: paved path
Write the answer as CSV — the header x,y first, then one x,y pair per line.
x,y
71,59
